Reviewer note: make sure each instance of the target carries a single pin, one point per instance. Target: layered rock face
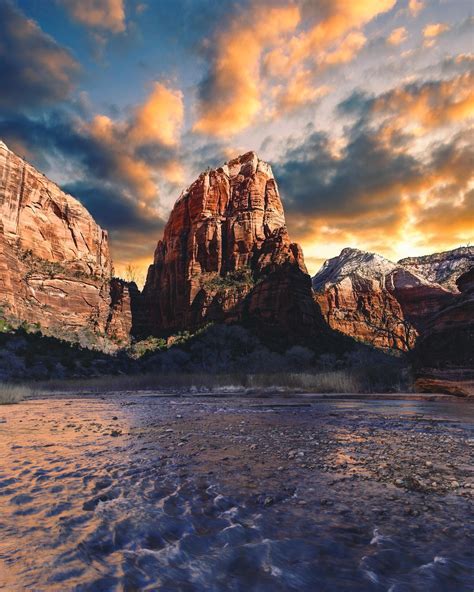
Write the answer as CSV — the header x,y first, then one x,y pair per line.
x,y
226,256
55,266
442,268
375,300
444,354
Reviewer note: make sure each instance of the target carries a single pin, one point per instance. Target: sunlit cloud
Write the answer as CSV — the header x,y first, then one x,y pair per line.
x,y
231,96
397,36
435,29
98,14
160,117
268,36
415,7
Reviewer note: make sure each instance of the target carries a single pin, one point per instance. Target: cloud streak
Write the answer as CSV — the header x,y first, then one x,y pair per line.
x,y
34,70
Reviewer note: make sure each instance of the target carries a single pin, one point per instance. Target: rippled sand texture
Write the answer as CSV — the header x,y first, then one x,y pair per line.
x,y
147,493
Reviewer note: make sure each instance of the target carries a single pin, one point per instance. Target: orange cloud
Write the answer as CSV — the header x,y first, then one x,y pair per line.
x,y
343,17
268,35
157,120
430,105
160,118
299,91
435,29
397,36
100,14
236,87
346,49
415,6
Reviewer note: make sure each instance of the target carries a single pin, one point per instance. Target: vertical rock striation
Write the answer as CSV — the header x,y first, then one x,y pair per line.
x,y
226,256
55,266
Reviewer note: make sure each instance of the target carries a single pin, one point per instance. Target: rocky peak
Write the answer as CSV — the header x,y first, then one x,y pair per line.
x,y
371,298
352,262
442,268
226,234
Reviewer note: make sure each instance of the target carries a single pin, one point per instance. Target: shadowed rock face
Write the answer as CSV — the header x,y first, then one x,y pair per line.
x,y
444,354
55,266
226,256
380,302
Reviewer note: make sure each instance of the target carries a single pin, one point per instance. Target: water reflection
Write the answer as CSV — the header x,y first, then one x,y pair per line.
x,y
104,495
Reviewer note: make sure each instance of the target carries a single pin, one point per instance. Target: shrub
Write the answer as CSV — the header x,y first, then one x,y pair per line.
x,y
239,278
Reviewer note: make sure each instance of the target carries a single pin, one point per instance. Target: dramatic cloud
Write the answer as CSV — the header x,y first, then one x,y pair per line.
x,y
231,95
375,190
160,118
419,106
435,29
430,104
98,14
415,6
266,38
34,69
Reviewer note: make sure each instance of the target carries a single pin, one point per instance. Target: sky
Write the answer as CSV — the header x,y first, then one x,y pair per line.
x,y
364,109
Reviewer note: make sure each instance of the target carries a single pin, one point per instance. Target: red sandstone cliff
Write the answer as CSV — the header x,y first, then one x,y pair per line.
x,y
379,302
226,256
55,266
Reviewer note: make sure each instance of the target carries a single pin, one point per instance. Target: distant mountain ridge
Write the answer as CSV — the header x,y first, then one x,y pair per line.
x,y
383,303
442,268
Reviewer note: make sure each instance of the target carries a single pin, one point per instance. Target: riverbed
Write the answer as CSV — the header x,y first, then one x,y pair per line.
x,y
142,492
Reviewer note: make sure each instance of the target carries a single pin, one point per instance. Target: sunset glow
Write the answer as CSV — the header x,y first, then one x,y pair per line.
x,y
364,110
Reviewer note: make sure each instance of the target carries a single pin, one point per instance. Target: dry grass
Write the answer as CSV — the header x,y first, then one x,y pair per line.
x,y
338,381
10,393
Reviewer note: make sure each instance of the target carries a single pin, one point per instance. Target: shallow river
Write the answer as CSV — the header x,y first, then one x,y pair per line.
x,y
181,494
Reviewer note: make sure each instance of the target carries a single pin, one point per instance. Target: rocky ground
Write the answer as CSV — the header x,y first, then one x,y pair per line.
x,y
362,495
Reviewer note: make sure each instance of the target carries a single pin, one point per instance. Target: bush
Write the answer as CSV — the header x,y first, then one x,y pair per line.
x,y
240,278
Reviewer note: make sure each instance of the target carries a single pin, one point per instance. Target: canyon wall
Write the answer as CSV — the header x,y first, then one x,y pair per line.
x,y
55,265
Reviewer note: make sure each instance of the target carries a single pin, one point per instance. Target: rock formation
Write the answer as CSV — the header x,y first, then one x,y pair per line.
x,y
380,302
55,266
226,256
444,354
442,268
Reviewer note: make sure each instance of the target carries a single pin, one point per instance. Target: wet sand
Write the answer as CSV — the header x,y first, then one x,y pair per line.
x,y
143,492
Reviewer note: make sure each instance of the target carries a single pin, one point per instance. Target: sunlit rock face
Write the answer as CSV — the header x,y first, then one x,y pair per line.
x,y
442,268
226,256
379,302
55,266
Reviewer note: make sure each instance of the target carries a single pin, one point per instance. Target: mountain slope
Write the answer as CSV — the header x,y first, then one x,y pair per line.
x,y
377,301
55,265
